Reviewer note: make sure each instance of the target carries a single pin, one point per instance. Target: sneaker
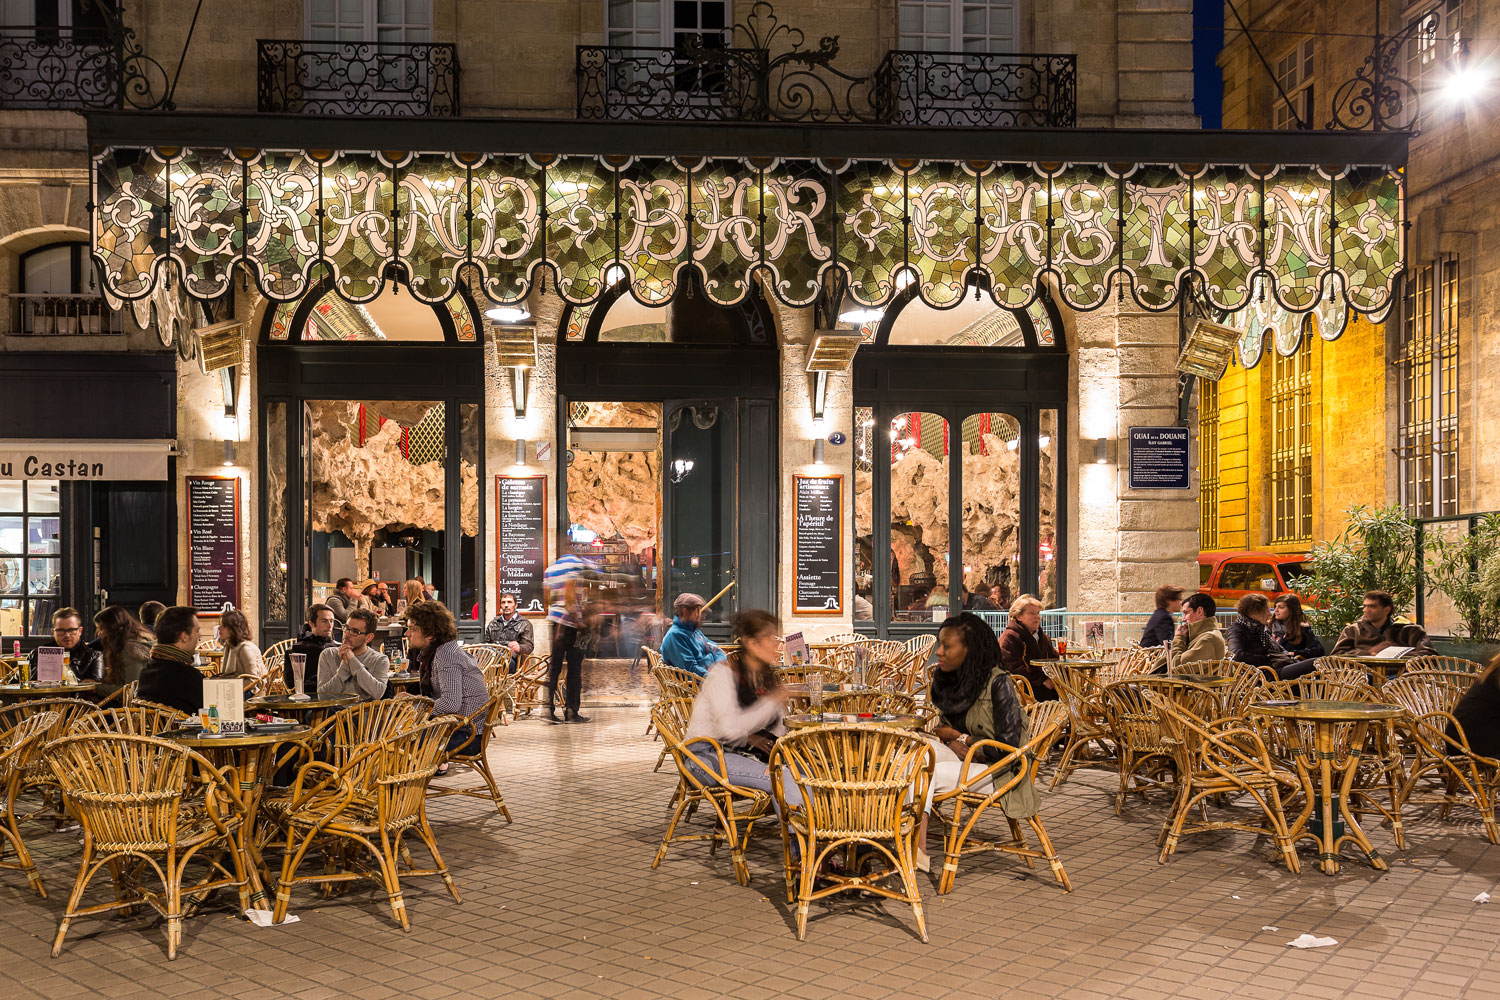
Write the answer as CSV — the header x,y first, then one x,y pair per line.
x,y
550,717
575,717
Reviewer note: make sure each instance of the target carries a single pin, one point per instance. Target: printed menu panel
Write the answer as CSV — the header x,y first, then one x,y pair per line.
x,y
818,545
521,540
213,542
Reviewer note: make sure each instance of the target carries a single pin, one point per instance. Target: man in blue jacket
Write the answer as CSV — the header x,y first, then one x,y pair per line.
x,y
684,646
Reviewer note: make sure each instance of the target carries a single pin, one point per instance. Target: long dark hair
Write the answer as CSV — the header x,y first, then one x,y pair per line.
x,y
118,626
751,681
983,654
235,628
1296,621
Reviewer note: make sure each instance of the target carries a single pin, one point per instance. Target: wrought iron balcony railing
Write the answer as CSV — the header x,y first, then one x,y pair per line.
x,y
767,75
417,79
47,315
59,68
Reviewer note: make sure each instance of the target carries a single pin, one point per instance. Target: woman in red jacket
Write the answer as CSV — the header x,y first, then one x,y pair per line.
x,y
1023,643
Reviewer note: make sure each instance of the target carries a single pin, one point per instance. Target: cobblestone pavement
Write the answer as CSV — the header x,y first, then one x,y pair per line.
x,y
564,903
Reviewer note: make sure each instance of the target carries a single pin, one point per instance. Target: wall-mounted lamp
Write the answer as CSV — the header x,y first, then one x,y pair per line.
x,y
518,390
1101,451
832,351
515,348
520,451
229,452
818,451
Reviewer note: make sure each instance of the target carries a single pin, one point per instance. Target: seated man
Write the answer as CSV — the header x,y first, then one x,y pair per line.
x,y
86,661
317,635
355,667
1374,632
512,631
684,646
170,678
1198,637
344,599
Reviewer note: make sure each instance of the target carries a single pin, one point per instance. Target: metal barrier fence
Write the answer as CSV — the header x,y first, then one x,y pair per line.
x,y
1092,628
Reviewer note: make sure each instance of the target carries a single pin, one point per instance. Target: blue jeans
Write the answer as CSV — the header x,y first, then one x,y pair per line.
x,y
460,740
742,770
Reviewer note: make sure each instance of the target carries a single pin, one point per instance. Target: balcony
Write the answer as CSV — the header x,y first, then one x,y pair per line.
x,y
408,79
976,89
50,68
48,315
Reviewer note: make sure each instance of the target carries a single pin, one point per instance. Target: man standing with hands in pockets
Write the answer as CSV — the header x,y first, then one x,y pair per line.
x,y
354,666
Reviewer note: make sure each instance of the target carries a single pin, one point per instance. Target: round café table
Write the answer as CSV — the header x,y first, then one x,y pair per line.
x,y
404,679
313,710
1382,668
1326,778
15,692
884,721
800,693
251,755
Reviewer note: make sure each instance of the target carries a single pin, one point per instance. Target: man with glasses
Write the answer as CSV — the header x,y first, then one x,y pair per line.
x,y
86,663
354,667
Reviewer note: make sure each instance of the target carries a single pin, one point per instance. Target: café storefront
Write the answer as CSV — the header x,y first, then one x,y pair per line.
x,y
862,374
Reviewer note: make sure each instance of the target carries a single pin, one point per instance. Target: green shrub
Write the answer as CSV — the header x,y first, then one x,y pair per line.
x,y
1376,551
1467,571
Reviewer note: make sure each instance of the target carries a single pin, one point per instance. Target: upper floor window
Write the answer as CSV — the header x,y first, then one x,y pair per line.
x,y
657,24
1291,445
1294,73
1436,41
59,269
1427,367
958,26
369,20
57,292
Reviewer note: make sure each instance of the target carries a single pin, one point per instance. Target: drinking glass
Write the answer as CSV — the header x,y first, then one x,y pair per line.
x,y
299,670
815,692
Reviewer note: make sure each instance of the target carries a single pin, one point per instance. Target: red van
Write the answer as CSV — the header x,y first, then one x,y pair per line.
x,y
1228,576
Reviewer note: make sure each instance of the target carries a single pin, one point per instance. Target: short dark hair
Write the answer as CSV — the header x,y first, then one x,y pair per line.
x,y
1166,595
62,613
312,613
149,612
363,615
1203,603
1252,602
1381,596
174,623
342,581
433,618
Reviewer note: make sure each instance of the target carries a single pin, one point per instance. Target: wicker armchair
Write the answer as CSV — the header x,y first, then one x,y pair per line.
x,y
1214,759
1456,663
1080,694
373,801
859,785
875,702
1341,668
37,776
275,660
349,730
530,687
1453,684
1142,740
141,719
1442,751
674,682
736,809
978,790
23,744
473,756
128,793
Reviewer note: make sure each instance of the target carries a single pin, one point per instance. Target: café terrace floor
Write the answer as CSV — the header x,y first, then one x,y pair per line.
x,y
564,903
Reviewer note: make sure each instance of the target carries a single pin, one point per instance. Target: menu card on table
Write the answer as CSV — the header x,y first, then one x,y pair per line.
x,y
49,664
228,698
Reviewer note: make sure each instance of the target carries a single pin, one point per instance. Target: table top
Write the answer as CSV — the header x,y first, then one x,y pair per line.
x,y
404,678
284,703
194,738
48,690
1328,711
831,719
1078,664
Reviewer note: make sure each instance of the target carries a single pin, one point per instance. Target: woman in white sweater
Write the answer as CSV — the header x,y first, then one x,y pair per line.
x,y
740,704
242,658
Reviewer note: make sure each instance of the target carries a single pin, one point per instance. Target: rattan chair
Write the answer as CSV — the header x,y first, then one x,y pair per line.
x,y
373,801
1143,743
1442,751
349,730
474,755
128,793
798,673
23,744
859,785
1341,668
138,720
1024,693
275,660
1453,684
37,777
1456,663
979,788
1214,760
674,682
1080,694
530,685
874,702
705,782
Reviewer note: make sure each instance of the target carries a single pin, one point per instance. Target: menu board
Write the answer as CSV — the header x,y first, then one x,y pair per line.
x,y
818,545
521,540
213,542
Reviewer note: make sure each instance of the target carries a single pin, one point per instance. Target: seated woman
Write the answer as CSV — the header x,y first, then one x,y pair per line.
x,y
1248,638
242,658
449,674
1291,630
740,705
127,647
972,690
1023,643
1478,711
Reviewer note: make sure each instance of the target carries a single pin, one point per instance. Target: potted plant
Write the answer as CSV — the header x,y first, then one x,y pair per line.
x,y
1466,570
1377,550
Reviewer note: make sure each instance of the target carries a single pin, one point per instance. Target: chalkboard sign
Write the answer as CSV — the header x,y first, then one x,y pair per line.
x,y
521,540
818,545
213,542
1159,458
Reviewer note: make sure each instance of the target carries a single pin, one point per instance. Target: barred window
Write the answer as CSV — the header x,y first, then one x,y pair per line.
x,y
1427,369
1291,445
1208,464
1435,43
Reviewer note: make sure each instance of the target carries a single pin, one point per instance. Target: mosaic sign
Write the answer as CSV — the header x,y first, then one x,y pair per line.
x,y
582,224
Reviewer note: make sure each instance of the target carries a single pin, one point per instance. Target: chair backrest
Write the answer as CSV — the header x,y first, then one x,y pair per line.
x,y
22,745
1342,669
1434,690
492,659
350,729
68,711
275,655
844,637
875,702
139,720
1456,663
1028,696
674,682
1311,687
398,768
653,658
798,673
855,780
1139,661
127,693
126,789
672,713
1044,716
920,648
1132,715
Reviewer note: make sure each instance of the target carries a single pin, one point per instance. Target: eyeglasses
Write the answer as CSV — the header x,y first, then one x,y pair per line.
x,y
67,631
354,631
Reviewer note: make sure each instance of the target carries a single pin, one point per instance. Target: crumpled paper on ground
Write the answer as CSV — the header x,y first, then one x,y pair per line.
x,y
1483,897
1309,941
262,918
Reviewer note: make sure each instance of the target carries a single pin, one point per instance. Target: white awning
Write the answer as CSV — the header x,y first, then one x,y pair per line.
x,y
87,459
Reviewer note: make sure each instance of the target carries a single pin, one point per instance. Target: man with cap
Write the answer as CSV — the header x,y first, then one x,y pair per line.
x,y
684,646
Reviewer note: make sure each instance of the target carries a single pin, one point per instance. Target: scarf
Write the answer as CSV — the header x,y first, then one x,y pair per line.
x,y
171,654
423,660
948,695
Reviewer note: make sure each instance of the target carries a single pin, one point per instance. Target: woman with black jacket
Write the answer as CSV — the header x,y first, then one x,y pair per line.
x,y
1247,637
1292,631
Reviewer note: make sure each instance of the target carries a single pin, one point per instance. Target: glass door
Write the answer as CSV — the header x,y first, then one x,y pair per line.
x,y
701,516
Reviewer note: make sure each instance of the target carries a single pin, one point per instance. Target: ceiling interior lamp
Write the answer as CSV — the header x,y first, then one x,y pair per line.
x,y
1207,350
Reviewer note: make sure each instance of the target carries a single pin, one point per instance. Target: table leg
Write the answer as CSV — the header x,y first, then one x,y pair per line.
x,y
1323,740
1352,828
250,789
